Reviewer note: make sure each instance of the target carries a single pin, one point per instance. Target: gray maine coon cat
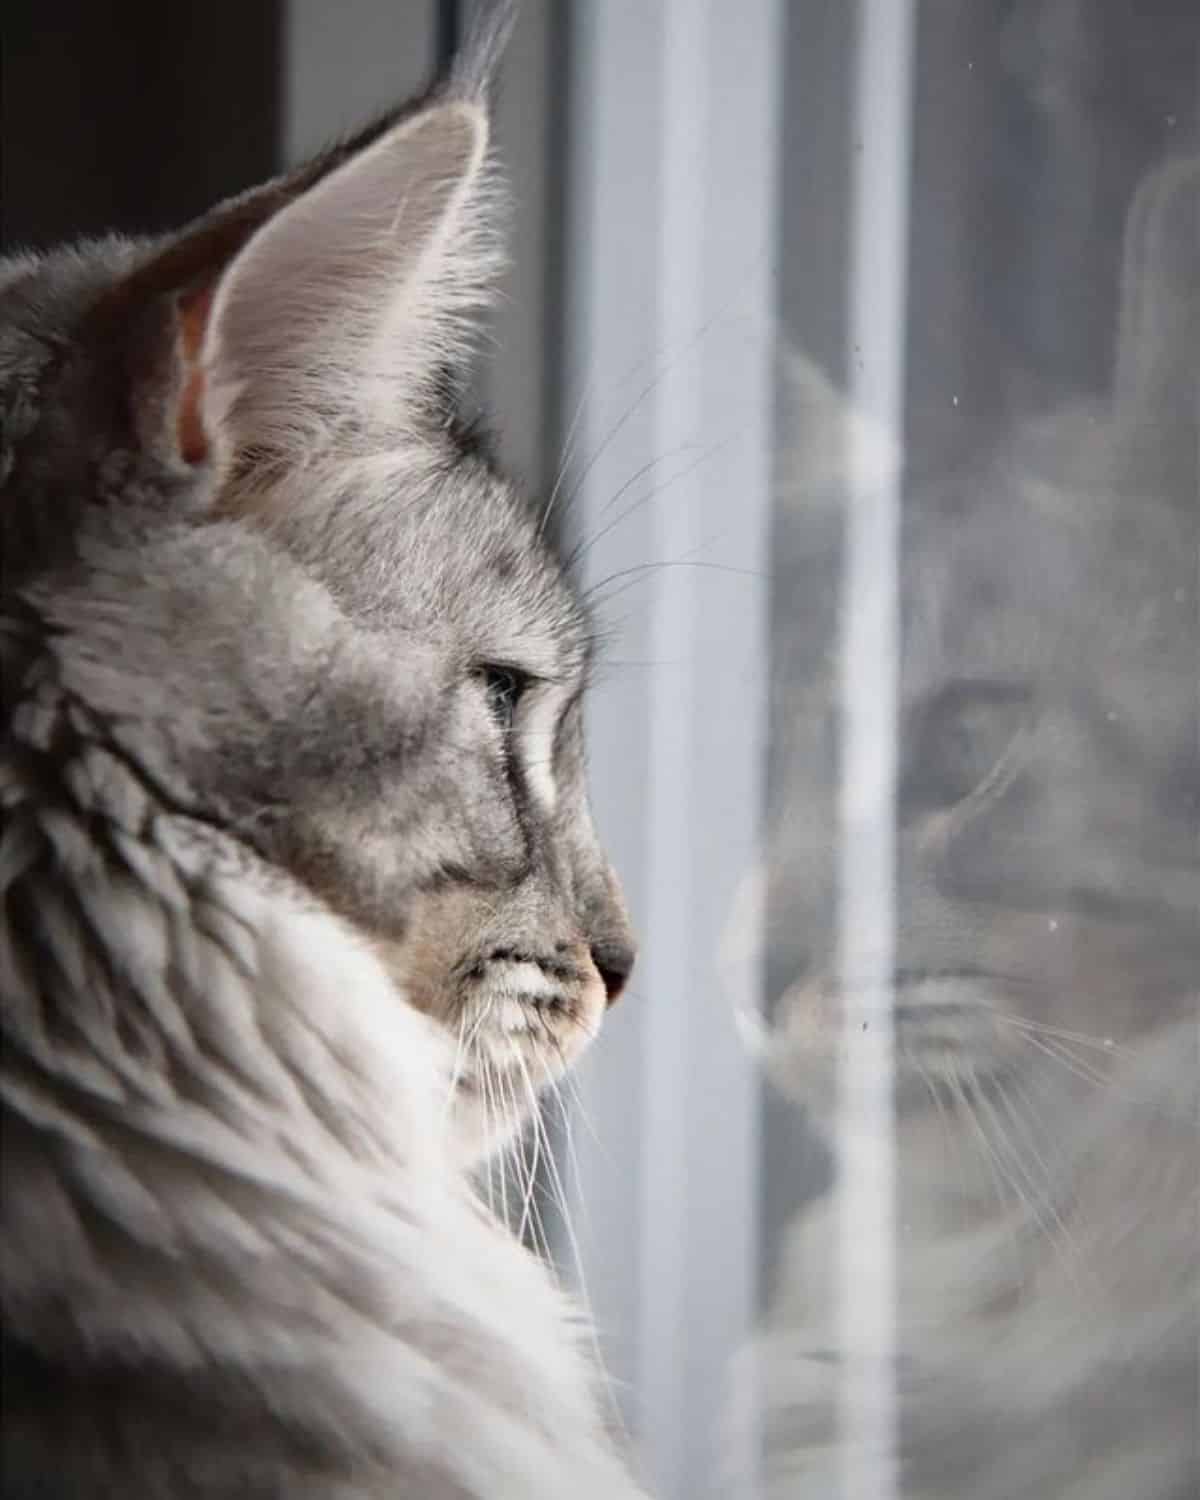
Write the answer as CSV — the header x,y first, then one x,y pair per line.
x,y
296,862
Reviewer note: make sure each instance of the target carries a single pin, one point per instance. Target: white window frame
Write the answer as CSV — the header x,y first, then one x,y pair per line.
x,y
670,303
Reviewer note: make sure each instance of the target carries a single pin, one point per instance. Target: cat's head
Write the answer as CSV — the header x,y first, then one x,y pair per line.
x,y
274,570
1046,880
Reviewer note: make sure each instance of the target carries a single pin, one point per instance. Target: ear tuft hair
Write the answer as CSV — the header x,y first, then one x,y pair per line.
x,y
477,61
339,310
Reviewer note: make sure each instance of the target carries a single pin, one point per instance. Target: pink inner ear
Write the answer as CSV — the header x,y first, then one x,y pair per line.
x,y
192,312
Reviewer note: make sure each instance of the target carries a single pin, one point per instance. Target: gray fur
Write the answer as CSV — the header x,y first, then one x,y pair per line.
x,y
282,894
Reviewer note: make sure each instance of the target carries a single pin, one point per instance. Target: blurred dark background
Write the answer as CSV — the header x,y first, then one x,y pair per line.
x,y
133,117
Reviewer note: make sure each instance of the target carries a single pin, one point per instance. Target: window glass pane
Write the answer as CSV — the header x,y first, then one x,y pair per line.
x,y
1041,984
954,914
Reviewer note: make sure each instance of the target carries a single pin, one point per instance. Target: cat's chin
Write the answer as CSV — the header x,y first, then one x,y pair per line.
x,y
515,1040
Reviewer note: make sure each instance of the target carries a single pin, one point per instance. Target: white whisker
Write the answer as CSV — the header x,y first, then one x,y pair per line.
x,y
1000,1180
1106,1044
485,1075
1038,1198
1072,1064
538,1131
560,1195
949,1134
456,1070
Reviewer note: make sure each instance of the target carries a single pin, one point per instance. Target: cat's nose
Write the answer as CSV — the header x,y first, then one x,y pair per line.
x,y
614,960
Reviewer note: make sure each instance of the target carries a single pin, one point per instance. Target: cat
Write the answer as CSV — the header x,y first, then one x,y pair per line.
x,y
1047,982
299,880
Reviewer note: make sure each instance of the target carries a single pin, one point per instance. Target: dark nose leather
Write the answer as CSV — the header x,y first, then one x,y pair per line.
x,y
614,960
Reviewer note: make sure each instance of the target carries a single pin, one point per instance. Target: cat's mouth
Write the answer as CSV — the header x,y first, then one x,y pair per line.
x,y
947,1025
520,1021
518,1009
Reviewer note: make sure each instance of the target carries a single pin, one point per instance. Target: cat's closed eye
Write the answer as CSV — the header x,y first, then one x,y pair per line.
x,y
504,687
960,736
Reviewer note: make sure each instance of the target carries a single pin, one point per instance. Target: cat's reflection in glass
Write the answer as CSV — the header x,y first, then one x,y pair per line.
x,y
1047,1047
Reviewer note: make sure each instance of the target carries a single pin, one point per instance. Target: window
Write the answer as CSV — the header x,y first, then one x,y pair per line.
x,y
882,323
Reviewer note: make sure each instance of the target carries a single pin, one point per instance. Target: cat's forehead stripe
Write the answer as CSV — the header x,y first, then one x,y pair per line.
x,y
513,582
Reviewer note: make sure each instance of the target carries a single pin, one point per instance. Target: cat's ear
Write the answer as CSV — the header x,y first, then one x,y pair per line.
x,y
323,302
341,308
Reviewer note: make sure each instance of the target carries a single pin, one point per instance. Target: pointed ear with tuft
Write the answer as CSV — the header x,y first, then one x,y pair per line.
x,y
323,303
